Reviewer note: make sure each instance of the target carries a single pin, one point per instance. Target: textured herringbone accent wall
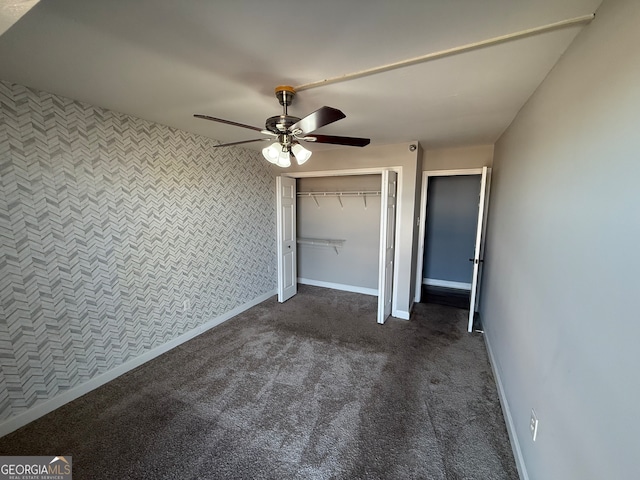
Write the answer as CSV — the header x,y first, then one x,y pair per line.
x,y
108,224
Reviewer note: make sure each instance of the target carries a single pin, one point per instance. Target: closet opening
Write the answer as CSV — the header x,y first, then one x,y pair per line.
x,y
338,231
338,227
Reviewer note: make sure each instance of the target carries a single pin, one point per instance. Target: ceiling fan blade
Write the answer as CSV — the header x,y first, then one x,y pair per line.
x,y
228,122
350,141
243,141
321,117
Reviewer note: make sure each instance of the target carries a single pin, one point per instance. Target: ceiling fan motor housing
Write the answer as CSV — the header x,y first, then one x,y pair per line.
x,y
280,123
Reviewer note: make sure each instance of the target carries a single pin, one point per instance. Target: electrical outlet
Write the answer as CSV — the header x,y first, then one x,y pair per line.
x,y
533,425
186,306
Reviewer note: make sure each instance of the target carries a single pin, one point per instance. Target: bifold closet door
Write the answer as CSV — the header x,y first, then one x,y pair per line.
x,y
387,244
286,238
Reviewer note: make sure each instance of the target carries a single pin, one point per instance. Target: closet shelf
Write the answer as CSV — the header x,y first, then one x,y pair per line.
x,y
322,242
359,193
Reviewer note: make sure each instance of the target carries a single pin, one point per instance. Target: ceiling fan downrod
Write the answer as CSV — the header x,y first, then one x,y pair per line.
x,y
285,95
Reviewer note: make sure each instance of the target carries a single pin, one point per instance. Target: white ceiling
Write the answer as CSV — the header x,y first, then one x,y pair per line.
x,y
163,60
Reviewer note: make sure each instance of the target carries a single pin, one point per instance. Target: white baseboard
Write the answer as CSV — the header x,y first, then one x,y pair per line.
x,y
446,284
511,428
50,405
351,288
401,314
339,286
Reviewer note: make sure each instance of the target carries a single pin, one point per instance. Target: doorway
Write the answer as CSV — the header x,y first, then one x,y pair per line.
x,y
451,242
450,233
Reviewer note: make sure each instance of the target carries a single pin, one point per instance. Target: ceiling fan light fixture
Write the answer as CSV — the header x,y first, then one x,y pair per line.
x,y
301,153
284,159
272,152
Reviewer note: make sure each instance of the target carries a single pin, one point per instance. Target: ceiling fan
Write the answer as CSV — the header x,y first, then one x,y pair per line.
x,y
289,131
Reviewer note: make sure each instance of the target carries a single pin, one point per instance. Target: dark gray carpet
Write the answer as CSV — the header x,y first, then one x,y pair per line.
x,y
312,388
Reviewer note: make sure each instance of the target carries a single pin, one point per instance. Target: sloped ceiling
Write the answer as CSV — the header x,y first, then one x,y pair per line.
x,y
163,60
12,10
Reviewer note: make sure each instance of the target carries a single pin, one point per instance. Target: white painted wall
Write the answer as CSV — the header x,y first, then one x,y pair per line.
x,y
396,155
457,158
562,265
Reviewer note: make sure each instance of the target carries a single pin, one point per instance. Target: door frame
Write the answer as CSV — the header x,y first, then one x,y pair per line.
x,y
422,219
369,171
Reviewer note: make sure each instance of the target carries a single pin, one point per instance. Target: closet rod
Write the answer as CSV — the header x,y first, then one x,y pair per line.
x,y
339,194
